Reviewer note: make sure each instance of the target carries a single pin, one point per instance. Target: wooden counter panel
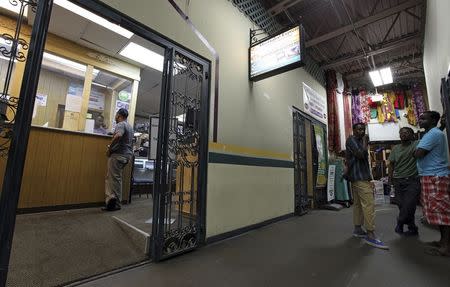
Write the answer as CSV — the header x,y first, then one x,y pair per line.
x,y
65,169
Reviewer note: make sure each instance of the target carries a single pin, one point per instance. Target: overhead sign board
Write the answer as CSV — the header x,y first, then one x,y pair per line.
x,y
277,54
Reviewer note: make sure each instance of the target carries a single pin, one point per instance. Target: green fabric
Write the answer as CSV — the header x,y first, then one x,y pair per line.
x,y
404,162
373,113
341,191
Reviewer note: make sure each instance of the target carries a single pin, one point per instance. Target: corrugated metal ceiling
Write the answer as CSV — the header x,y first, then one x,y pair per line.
x,y
390,31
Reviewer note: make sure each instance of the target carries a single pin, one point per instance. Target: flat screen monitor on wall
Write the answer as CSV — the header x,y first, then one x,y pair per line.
x,y
277,54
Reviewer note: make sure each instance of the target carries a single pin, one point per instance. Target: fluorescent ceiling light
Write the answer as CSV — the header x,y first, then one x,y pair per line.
x,y
65,62
68,63
376,78
143,55
93,17
381,77
16,9
386,75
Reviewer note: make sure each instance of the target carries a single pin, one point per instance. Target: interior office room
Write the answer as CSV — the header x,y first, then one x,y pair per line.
x,y
90,69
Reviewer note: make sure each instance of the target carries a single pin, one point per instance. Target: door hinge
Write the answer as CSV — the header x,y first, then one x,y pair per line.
x,y
206,76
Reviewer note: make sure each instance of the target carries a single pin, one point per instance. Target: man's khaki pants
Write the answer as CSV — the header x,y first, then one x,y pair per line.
x,y
113,182
363,205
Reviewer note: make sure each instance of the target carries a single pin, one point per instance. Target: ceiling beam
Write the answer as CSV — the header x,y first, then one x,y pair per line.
x,y
402,42
411,59
280,7
348,28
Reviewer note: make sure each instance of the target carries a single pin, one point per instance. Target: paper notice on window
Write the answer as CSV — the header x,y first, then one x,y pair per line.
x,y
97,101
74,98
41,100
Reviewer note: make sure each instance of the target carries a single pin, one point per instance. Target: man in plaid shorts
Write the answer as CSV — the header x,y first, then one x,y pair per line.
x,y
432,164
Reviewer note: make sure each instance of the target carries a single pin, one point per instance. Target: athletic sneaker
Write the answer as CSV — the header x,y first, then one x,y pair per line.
x,y
359,233
377,243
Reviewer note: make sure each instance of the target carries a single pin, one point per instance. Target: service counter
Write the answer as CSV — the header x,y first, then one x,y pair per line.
x,y
65,169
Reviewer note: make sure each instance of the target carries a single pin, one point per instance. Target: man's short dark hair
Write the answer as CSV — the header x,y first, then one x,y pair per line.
x,y
123,112
359,124
408,129
435,116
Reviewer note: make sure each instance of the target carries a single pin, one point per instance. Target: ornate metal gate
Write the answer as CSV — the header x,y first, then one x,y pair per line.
x,y
180,177
300,176
16,113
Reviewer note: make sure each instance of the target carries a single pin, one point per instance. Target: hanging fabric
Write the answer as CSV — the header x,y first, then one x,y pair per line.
x,y
399,102
365,106
386,111
420,106
333,120
347,110
356,107
410,109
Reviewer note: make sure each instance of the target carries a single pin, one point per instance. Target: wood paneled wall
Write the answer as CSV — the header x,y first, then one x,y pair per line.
x,y
65,168
55,86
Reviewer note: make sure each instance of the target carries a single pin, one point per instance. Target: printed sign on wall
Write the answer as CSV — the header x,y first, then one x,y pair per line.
x,y
322,160
314,104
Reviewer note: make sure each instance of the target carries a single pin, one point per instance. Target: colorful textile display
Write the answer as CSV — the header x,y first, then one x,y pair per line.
x,y
360,107
334,142
365,106
386,111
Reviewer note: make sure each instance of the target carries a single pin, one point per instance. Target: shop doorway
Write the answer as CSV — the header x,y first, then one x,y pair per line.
x,y
310,162
85,77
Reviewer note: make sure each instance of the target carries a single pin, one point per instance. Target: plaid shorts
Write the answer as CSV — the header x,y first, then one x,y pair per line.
x,y
436,199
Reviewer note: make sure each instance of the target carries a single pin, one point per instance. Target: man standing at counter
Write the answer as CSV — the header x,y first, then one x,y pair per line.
x,y
119,154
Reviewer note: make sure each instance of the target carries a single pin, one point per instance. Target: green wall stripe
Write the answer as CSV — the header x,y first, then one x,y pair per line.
x,y
245,160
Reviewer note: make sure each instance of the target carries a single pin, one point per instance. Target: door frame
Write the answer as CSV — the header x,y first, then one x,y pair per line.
x,y
142,30
14,170
296,178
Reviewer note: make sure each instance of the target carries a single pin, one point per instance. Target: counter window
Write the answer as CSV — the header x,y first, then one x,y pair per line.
x,y
78,97
59,95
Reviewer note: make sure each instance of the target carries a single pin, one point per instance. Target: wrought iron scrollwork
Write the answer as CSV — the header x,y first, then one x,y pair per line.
x,y
180,199
15,51
177,240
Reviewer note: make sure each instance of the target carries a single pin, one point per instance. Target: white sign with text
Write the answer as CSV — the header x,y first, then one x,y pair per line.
x,y
314,104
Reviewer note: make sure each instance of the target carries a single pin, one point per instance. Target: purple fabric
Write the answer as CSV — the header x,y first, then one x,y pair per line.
x,y
417,96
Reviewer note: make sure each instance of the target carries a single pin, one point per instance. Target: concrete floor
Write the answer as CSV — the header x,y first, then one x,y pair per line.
x,y
313,250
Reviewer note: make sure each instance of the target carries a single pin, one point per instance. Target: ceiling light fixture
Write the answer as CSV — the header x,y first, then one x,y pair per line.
x,y
143,55
93,17
68,63
381,77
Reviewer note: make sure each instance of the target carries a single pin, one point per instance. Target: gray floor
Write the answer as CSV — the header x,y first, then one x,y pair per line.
x,y
57,247
313,250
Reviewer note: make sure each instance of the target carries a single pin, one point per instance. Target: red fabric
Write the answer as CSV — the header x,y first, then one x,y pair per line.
x,y
399,100
372,105
347,110
436,199
334,142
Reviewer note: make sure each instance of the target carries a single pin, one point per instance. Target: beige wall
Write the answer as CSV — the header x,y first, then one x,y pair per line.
x,y
436,58
239,196
255,115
